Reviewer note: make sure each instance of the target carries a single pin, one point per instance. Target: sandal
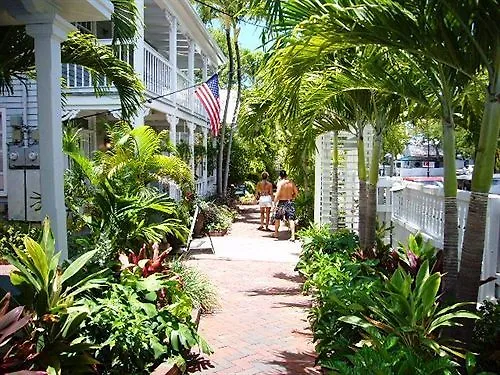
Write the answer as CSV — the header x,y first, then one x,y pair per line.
x,y
260,228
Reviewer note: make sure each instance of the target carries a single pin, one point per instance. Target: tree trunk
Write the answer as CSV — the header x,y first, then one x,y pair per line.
x,y
371,190
224,118
236,109
473,245
450,235
362,190
335,182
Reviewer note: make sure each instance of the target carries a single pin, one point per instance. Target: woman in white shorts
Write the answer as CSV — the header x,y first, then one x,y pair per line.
x,y
264,192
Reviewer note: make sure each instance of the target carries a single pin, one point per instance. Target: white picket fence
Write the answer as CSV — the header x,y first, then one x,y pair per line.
x,y
417,208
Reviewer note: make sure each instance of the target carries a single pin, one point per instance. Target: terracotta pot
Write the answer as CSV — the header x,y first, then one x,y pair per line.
x,y
218,233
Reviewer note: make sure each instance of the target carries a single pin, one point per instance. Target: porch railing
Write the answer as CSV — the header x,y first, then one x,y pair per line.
x,y
183,96
157,72
157,77
78,77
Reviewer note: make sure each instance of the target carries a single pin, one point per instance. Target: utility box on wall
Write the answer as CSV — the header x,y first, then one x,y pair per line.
x,y
23,198
24,175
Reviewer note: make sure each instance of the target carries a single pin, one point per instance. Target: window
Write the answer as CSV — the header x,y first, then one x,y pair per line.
x,y
3,152
104,30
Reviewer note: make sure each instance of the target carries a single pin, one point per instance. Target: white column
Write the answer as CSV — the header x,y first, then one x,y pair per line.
x,y
190,74
191,128
48,38
138,119
172,51
205,161
205,68
173,121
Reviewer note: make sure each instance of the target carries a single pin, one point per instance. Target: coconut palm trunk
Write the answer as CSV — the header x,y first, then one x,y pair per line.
x,y
371,190
473,246
227,28
362,189
237,106
335,182
450,235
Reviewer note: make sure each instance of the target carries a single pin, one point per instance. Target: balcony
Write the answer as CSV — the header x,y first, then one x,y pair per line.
x,y
157,77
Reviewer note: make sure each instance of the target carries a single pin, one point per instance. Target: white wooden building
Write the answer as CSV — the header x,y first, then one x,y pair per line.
x,y
173,51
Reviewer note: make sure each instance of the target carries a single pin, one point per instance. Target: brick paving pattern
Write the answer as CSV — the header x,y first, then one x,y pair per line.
x,y
261,327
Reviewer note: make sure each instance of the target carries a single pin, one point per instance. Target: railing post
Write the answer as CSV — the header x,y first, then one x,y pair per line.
x,y
205,161
138,119
173,121
190,73
172,51
191,129
205,68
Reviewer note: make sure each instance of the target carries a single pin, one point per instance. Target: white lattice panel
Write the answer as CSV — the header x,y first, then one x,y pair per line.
x,y
348,177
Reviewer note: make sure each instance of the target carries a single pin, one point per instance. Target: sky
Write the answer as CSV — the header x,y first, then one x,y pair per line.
x,y
250,37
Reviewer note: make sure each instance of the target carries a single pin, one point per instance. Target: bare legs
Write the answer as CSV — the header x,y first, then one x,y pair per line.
x,y
292,229
262,211
268,215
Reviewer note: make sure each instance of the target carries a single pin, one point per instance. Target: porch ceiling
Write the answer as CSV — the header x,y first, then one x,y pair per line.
x,y
190,27
18,12
157,34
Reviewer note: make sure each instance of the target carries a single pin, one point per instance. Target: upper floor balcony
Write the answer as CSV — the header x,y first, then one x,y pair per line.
x,y
171,50
157,77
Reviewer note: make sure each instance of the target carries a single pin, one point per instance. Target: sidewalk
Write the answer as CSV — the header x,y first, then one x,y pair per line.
x,y
261,327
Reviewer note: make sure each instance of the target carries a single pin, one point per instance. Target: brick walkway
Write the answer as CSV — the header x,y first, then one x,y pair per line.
x,y
261,327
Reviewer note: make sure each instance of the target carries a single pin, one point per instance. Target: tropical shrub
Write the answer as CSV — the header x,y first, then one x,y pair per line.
x,y
248,198
146,264
339,287
304,208
389,356
113,196
408,308
363,321
217,218
16,351
416,252
487,336
133,317
196,285
50,294
322,239
12,234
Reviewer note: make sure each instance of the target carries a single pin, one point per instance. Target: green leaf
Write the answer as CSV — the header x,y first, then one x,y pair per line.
x,y
429,292
77,265
39,258
355,321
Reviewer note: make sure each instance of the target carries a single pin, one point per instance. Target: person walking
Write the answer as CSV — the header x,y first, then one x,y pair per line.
x,y
264,194
283,204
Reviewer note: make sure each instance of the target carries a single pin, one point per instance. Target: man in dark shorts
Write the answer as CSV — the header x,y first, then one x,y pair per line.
x,y
284,207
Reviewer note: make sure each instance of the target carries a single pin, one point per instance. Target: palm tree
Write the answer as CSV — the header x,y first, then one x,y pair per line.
x,y
136,159
117,199
18,57
227,13
462,36
236,33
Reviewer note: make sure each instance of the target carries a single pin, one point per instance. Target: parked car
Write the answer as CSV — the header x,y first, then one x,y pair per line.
x,y
464,183
427,181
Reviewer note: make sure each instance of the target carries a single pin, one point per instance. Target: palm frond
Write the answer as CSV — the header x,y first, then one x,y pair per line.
x,y
85,50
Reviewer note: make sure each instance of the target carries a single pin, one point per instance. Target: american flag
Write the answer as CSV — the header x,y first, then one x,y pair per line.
x,y
208,93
